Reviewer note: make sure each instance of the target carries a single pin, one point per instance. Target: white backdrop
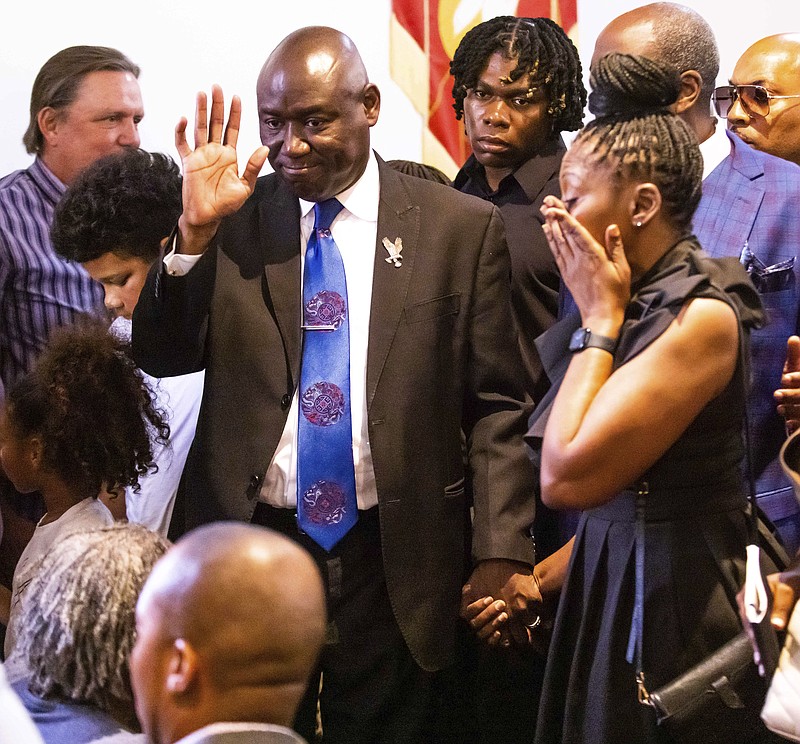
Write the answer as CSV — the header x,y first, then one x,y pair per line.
x,y
185,46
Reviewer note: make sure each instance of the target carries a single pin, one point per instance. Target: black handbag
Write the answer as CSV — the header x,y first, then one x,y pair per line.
x,y
719,700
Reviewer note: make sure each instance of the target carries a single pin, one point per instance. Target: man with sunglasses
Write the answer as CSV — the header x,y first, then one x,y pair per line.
x,y
762,103
749,210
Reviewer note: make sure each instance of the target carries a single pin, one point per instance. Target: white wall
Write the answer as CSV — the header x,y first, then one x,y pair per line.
x,y
185,46
736,24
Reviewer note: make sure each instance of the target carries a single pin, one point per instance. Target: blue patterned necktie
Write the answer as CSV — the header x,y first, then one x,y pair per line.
x,y
326,484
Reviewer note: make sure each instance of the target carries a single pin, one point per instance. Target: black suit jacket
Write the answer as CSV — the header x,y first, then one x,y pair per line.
x,y
442,356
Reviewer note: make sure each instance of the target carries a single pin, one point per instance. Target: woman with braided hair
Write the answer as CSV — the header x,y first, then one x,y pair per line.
x,y
642,427
648,415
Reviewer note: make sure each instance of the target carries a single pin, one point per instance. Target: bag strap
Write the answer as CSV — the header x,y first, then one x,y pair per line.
x,y
635,639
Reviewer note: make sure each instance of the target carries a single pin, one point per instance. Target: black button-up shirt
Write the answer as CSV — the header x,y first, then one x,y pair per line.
x,y
535,279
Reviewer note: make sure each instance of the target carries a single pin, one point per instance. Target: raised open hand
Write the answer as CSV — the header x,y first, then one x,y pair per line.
x,y
212,187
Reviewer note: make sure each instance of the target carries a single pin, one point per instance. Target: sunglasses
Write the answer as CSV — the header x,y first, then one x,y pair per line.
x,y
754,98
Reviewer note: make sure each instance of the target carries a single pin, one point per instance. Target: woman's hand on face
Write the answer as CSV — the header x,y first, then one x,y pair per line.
x,y
598,276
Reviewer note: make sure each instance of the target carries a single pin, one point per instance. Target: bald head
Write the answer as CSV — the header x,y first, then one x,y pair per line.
x,y
320,52
316,106
676,35
243,609
202,581
774,64
779,45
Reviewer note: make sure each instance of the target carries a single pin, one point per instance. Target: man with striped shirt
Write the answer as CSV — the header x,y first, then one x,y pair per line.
x,y
85,104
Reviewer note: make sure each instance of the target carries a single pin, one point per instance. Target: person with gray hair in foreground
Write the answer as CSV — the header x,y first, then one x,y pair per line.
x,y
76,633
229,627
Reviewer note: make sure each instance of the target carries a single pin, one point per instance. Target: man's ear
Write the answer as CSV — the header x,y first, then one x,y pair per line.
x,y
182,669
646,205
48,120
691,85
372,103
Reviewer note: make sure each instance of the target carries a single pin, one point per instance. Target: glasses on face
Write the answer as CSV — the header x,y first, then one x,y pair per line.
x,y
755,98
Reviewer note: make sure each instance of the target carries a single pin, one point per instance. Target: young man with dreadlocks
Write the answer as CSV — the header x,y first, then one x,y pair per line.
x,y
518,85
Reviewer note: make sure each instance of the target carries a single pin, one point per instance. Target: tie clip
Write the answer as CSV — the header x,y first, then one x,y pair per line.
x,y
318,327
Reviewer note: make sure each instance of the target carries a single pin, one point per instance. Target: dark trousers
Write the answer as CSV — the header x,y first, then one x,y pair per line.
x,y
508,687
370,689
509,681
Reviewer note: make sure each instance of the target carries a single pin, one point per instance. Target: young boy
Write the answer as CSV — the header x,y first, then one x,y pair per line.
x,y
112,220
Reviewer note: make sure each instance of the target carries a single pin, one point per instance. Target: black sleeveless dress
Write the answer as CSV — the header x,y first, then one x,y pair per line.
x,y
695,532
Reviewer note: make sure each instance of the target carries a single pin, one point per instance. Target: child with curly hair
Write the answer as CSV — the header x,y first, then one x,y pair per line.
x,y
112,220
81,421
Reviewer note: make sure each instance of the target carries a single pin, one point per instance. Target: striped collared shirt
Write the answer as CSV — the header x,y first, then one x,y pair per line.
x,y
38,290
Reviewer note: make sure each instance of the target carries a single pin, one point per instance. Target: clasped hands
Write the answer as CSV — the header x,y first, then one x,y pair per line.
x,y
502,602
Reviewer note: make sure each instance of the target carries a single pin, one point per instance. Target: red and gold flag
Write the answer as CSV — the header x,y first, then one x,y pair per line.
x,y
424,35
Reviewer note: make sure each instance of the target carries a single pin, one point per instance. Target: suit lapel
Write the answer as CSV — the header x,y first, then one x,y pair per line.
x,y
279,227
398,217
747,201
731,200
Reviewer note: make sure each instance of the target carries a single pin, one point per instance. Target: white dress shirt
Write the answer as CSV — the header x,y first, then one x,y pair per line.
x,y
715,149
179,397
355,231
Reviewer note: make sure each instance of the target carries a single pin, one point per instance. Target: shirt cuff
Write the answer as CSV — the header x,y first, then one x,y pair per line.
x,y
180,264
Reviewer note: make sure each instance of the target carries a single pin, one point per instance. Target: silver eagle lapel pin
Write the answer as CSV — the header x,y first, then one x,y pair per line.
x,y
395,250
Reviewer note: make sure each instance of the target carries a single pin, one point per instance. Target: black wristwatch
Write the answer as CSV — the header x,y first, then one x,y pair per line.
x,y
583,338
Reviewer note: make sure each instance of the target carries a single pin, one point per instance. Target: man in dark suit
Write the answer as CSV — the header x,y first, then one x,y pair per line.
x,y
433,353
748,210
